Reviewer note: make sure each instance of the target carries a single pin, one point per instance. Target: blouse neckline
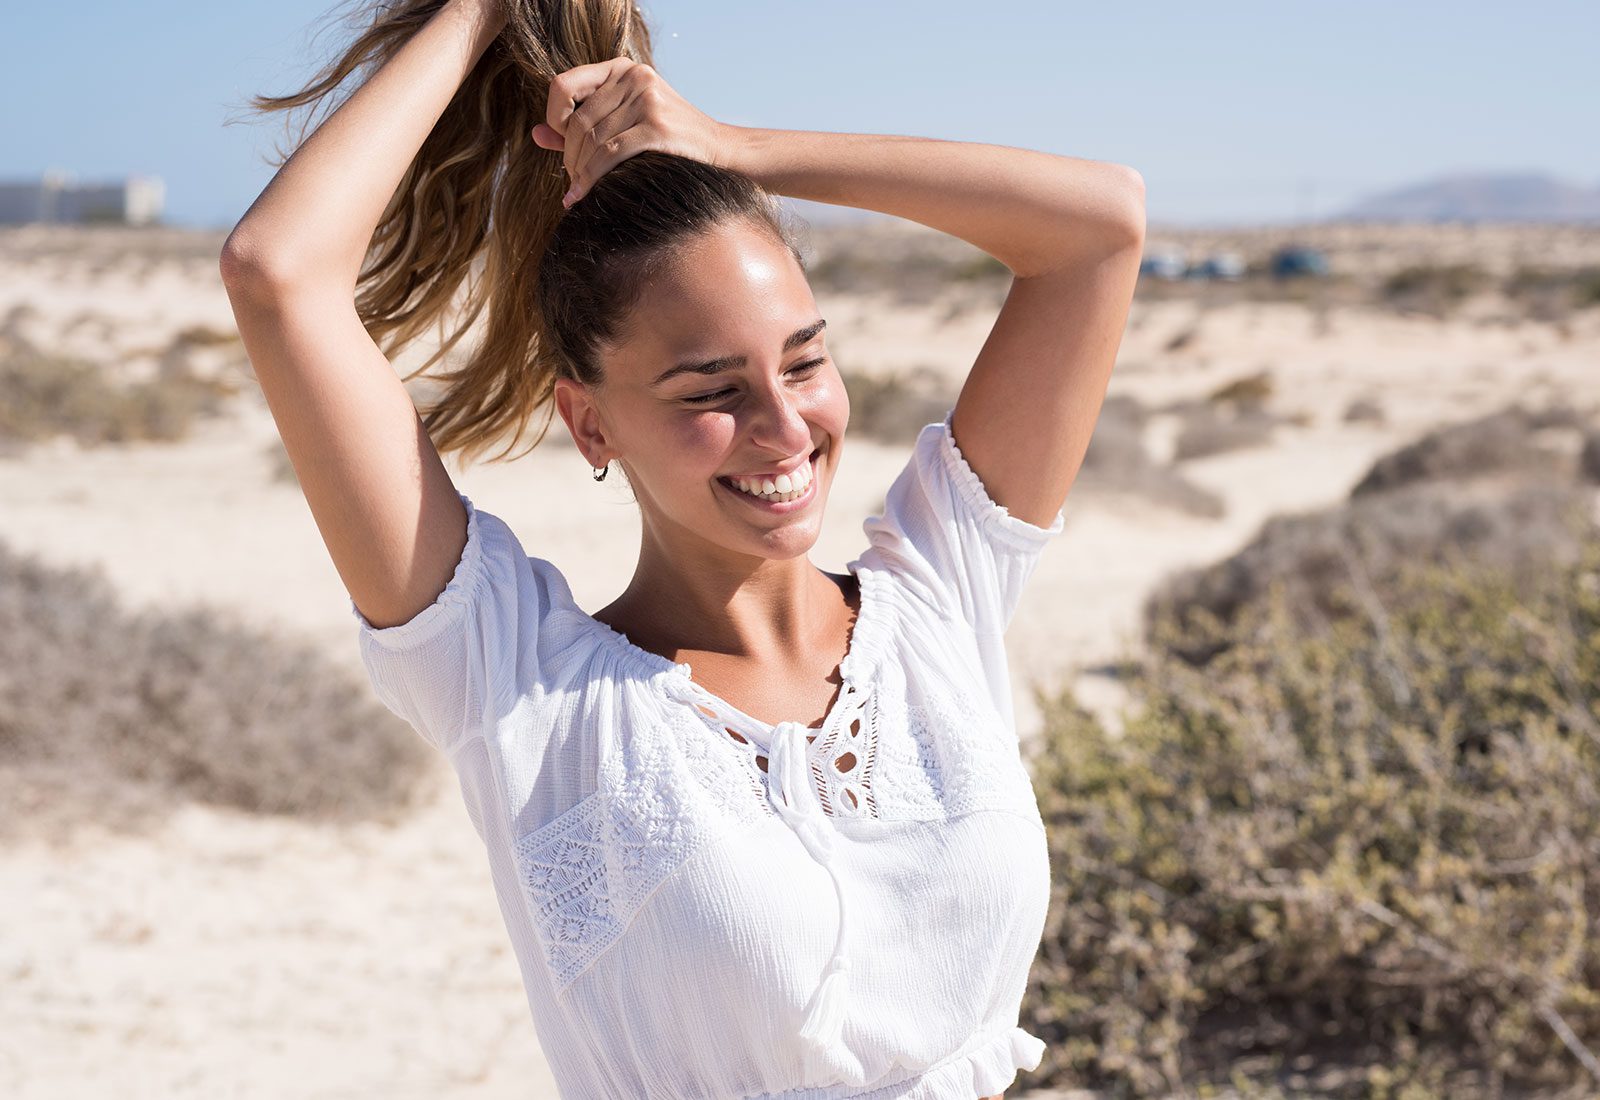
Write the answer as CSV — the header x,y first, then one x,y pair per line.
x,y
861,655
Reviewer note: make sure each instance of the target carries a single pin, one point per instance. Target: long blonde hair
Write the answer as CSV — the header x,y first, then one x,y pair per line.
x,y
478,214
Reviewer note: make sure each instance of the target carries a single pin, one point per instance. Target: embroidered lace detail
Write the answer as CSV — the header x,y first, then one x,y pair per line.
x,y
672,785
845,767
587,872
562,866
841,755
726,771
978,768
908,780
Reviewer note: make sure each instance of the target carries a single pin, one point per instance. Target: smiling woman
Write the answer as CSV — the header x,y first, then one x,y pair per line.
x,y
770,823
734,290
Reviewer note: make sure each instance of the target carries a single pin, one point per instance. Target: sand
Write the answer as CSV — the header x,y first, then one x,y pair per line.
x,y
231,956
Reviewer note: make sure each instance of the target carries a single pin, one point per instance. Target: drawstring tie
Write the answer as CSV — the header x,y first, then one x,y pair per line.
x,y
794,797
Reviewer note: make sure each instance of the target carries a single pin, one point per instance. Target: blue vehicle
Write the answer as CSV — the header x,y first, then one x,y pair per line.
x,y
1219,265
1164,265
1297,260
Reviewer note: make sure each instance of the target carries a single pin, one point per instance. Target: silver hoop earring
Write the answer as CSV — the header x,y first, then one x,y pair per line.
x,y
600,472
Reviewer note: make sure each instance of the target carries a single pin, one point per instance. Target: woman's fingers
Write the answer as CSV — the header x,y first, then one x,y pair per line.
x,y
609,111
607,143
631,142
575,85
603,102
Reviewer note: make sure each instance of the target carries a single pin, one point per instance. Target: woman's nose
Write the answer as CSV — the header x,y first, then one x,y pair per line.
x,y
779,423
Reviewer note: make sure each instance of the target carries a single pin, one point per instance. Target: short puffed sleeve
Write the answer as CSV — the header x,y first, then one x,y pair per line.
x,y
474,648
943,534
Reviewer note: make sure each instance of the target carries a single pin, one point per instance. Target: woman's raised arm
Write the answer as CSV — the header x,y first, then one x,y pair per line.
x,y
382,499
314,221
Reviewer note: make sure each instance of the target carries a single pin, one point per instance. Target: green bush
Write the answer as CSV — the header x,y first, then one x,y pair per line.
x,y
1344,838
1373,842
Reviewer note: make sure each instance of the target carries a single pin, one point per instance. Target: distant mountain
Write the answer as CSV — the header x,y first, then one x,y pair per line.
x,y
1481,198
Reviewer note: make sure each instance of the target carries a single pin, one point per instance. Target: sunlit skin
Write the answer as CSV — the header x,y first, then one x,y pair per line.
x,y
722,583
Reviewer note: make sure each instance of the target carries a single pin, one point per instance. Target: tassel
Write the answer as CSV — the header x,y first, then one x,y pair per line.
x,y
825,1019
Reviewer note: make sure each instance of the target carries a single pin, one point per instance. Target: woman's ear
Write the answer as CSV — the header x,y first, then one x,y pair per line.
x,y
576,405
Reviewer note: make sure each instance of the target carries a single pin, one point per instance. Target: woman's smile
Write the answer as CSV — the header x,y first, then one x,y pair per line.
x,y
808,491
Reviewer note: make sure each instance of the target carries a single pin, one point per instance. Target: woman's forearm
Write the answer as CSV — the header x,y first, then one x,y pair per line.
x,y
1033,211
316,217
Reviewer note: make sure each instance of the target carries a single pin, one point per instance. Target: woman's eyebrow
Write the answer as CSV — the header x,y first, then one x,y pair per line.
x,y
716,366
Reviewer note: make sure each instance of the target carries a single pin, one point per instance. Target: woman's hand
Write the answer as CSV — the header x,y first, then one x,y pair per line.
x,y
600,115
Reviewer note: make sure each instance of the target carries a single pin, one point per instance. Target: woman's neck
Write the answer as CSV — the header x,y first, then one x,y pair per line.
x,y
761,615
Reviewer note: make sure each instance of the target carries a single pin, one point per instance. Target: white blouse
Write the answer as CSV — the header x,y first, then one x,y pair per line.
x,y
707,907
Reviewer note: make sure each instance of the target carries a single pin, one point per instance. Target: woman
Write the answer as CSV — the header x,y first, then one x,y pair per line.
x,y
755,829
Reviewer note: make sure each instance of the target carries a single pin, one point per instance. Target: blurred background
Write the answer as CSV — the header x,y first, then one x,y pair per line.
x,y
1307,685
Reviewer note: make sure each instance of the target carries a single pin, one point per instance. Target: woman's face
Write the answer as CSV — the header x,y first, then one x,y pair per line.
x,y
762,397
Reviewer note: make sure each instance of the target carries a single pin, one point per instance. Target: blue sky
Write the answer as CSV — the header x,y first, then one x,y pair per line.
x,y
1245,112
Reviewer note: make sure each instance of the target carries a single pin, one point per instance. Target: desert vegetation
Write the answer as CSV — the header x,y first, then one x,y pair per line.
x,y
43,396
1338,840
113,718
1344,840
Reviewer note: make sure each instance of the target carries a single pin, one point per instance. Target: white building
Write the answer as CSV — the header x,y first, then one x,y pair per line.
x,y
59,197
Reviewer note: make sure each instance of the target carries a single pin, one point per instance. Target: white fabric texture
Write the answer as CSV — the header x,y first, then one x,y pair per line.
x,y
705,906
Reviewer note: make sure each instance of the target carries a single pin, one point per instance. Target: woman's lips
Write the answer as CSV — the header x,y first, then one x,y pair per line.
x,y
779,507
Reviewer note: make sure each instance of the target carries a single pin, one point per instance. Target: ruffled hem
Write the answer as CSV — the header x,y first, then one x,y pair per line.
x,y
427,622
985,1068
995,517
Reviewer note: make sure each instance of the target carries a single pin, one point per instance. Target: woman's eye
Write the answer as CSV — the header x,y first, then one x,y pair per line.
x,y
707,398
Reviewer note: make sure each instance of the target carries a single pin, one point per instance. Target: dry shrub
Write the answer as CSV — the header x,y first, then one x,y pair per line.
x,y
1349,821
1520,529
1252,389
1208,430
1361,841
1365,409
42,396
1433,288
894,406
115,718
204,336
1183,339
1589,457
1551,294
1586,288
1117,462
1232,417
1499,443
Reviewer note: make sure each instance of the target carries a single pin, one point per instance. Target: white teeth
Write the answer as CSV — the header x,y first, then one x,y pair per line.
x,y
784,487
